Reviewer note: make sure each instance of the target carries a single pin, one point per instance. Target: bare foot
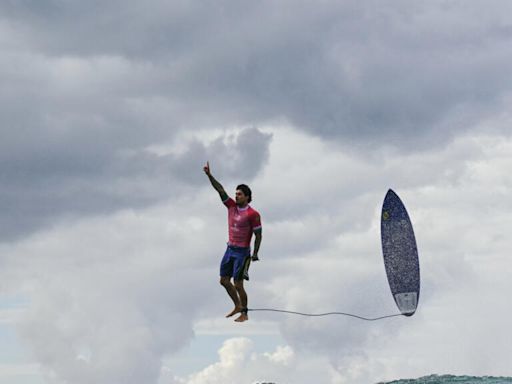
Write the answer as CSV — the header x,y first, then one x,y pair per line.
x,y
243,317
234,311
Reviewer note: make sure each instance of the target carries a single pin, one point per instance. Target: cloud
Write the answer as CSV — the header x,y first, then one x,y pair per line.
x,y
408,75
331,257
48,187
239,362
106,310
83,96
108,112
130,286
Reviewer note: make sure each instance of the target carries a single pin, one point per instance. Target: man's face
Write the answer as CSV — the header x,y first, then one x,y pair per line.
x,y
240,198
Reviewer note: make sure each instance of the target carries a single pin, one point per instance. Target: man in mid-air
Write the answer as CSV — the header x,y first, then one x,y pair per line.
x,y
243,221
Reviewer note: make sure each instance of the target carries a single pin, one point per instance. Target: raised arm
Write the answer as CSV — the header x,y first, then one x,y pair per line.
x,y
215,184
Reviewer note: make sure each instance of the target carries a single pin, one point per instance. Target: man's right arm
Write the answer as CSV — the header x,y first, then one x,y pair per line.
x,y
215,184
218,187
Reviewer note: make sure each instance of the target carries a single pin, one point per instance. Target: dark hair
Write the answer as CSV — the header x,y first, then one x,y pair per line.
x,y
246,190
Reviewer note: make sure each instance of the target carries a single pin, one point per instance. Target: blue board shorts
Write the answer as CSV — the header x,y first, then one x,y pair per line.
x,y
235,262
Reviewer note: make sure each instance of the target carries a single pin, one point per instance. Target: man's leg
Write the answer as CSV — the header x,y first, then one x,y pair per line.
x,y
239,285
225,281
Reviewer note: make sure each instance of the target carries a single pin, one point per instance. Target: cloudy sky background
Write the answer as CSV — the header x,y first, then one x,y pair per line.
x,y
110,234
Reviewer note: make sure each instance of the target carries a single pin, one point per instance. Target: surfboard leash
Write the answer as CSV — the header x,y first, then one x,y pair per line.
x,y
323,314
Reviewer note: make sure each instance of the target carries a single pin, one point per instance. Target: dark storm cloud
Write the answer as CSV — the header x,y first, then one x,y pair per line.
x,y
87,87
38,189
370,71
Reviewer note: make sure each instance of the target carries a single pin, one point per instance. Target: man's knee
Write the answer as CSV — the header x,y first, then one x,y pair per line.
x,y
225,281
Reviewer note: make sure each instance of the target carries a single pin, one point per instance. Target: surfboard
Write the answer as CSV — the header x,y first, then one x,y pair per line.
x,y
400,254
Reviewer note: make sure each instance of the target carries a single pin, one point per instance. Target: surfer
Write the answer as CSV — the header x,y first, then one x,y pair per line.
x,y
243,221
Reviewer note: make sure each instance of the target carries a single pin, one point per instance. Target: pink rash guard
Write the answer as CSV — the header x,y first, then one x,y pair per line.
x,y
242,223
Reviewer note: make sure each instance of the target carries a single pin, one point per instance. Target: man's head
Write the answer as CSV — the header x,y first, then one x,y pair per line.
x,y
243,195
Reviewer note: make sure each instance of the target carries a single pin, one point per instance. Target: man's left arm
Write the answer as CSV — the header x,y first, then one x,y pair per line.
x,y
257,243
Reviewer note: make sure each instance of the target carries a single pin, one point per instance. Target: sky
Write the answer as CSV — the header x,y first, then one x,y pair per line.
x,y
111,235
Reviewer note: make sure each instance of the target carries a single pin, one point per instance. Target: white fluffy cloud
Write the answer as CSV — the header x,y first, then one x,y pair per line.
x,y
239,363
329,258
111,296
